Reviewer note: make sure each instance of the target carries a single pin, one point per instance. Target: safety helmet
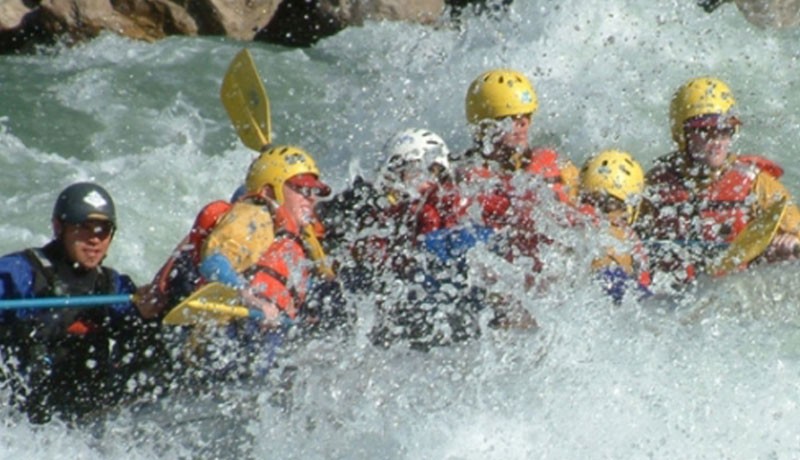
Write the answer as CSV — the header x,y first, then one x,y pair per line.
x,y
279,164
83,201
500,93
417,145
706,100
615,173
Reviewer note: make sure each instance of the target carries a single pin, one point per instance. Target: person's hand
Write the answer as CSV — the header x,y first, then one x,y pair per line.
x,y
509,314
272,314
150,301
784,246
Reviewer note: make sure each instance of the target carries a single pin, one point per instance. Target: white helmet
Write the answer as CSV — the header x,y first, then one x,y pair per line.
x,y
417,145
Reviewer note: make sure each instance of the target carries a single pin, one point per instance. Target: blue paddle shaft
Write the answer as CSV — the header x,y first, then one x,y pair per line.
x,y
65,302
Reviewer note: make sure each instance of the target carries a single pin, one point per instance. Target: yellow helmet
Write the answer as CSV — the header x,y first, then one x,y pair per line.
x,y
615,173
700,97
500,93
277,165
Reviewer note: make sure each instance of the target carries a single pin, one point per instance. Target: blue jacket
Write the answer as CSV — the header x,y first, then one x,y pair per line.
x,y
52,346
17,281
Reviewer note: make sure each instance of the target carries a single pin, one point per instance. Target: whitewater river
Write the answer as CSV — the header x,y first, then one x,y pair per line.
x,y
713,374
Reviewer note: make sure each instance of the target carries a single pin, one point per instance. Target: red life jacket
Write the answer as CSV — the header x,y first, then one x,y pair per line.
x,y
205,221
495,200
443,207
716,214
192,244
503,209
440,206
722,208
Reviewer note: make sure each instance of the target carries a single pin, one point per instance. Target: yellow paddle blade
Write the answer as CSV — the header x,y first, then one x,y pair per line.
x,y
214,302
753,240
246,102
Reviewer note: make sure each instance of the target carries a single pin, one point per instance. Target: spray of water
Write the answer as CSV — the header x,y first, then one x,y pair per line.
x,y
709,374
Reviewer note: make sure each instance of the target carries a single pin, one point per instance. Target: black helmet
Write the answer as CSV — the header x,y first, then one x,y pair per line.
x,y
83,201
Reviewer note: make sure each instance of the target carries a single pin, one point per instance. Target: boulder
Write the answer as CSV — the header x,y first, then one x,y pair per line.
x,y
771,13
355,12
138,19
24,23
13,34
12,13
303,22
239,19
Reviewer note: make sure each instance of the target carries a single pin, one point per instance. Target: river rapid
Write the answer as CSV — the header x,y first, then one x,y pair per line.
x,y
713,373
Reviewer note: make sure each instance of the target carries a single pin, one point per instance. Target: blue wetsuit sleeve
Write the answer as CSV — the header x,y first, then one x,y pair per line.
x,y
123,284
16,282
616,282
451,243
217,267
16,277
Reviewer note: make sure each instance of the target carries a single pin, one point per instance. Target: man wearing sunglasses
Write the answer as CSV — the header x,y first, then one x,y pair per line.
x,y
74,359
702,195
267,244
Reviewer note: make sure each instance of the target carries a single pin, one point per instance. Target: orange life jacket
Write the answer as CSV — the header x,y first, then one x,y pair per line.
x,y
544,163
283,271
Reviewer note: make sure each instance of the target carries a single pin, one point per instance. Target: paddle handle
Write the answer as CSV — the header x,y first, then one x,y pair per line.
x,y
66,302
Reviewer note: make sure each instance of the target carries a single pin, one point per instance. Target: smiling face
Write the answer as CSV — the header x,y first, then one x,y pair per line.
x,y
86,243
517,136
299,202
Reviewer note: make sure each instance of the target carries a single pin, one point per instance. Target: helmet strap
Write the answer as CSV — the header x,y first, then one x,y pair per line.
x,y
58,228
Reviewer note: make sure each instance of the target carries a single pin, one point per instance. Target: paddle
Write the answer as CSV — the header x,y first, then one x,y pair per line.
x,y
66,302
214,302
247,104
752,241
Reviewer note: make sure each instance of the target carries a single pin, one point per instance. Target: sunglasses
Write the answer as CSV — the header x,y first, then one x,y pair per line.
x,y
715,132
100,229
307,192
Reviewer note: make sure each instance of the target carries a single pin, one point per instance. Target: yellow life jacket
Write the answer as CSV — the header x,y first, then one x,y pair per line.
x,y
242,235
614,257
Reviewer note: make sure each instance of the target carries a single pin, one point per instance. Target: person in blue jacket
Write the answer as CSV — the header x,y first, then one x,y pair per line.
x,y
70,361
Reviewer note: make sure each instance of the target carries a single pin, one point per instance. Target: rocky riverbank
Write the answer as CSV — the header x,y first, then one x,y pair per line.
x,y
26,23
